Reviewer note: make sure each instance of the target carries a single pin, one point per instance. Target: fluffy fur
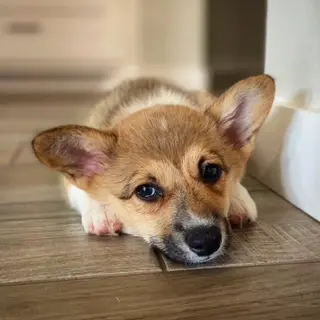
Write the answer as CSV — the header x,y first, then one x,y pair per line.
x,y
151,131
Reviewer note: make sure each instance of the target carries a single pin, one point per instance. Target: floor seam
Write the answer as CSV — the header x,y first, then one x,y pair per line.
x,y
16,154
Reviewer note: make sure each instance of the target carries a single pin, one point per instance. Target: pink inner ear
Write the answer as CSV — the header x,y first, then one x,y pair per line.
x,y
92,167
237,125
87,163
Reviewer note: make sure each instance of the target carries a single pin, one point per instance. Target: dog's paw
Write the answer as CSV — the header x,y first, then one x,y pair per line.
x,y
101,222
243,209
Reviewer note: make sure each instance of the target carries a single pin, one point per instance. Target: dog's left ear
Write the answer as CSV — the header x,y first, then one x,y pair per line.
x,y
80,153
243,108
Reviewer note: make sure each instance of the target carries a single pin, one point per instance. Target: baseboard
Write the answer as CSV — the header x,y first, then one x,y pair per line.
x,y
49,86
192,78
60,81
287,155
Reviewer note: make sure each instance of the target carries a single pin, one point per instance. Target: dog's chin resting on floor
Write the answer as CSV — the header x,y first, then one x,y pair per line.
x,y
162,163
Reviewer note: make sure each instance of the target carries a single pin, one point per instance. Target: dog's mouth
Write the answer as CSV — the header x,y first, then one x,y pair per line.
x,y
197,246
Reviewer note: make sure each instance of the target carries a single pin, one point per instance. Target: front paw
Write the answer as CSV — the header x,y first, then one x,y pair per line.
x,y
101,222
243,209
239,220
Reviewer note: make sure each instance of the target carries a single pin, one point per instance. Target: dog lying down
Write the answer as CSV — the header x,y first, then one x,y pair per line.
x,y
162,163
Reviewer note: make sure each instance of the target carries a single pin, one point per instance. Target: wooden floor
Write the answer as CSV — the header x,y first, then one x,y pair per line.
x,y
50,269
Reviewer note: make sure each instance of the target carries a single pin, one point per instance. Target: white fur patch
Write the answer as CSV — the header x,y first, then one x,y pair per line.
x,y
162,97
243,204
95,217
78,199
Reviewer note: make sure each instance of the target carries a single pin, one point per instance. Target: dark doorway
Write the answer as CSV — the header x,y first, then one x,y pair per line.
x,y
236,40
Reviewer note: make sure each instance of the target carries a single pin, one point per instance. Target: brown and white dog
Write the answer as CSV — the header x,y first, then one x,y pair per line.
x,y
162,163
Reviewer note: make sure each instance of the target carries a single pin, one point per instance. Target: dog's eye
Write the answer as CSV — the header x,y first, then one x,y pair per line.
x,y
210,173
148,192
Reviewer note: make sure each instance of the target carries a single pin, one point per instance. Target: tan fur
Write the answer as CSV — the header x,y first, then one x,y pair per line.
x,y
148,130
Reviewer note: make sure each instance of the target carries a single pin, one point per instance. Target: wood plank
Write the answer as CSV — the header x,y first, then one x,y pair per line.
x,y
256,293
28,183
9,144
25,156
6,154
46,245
34,115
283,234
32,210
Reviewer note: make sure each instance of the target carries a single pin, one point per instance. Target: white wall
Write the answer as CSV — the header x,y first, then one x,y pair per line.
x,y
172,41
293,49
287,157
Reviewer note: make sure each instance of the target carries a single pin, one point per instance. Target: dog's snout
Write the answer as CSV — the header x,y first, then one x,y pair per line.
x,y
203,240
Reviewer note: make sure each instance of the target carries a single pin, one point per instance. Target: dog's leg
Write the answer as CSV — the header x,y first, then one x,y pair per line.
x,y
96,218
242,208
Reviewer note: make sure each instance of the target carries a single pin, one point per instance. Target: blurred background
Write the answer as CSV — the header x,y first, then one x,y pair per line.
x,y
57,60
77,45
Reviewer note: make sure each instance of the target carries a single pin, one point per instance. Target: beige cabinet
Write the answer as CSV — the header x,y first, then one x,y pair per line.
x,y
65,35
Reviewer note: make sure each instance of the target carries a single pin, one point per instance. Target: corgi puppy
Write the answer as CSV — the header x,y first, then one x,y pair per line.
x,y
162,163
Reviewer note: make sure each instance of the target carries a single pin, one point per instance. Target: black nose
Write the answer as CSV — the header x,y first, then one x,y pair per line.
x,y
203,240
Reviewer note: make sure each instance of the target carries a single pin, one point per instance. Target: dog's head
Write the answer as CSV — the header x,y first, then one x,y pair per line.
x,y
167,171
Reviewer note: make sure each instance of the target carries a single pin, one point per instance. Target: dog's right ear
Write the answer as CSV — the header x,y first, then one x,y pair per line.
x,y
78,152
243,108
